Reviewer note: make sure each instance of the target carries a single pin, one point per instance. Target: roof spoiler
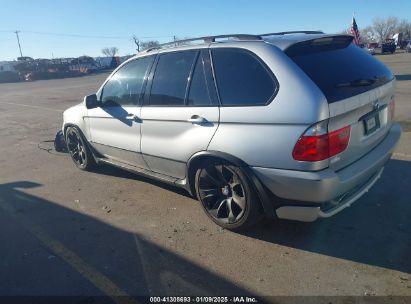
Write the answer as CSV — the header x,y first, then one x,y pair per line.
x,y
326,43
292,32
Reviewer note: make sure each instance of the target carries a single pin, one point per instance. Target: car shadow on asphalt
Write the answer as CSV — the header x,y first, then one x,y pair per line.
x,y
375,230
48,249
116,172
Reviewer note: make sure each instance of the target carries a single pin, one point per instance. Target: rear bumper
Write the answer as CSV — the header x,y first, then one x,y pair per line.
x,y
327,192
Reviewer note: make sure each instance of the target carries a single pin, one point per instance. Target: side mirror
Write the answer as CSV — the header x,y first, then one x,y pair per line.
x,y
91,101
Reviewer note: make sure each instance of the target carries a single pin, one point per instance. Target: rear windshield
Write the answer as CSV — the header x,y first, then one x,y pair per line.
x,y
340,69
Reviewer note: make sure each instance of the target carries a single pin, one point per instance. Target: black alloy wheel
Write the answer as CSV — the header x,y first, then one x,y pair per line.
x,y
79,152
226,195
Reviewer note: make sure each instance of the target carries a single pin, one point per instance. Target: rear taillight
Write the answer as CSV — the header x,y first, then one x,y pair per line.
x,y
338,140
318,144
391,108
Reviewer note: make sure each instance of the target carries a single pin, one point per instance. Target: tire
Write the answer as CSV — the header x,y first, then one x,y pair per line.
x,y
227,195
79,150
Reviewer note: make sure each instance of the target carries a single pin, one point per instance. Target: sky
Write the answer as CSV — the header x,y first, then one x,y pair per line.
x,y
72,28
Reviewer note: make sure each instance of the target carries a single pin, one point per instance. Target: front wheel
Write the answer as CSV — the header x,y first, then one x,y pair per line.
x,y
227,195
79,151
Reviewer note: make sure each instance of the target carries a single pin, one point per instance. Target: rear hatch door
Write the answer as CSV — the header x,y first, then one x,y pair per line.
x,y
359,90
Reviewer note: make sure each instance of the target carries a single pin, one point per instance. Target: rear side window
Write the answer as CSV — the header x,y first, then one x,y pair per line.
x,y
339,68
199,94
242,79
171,78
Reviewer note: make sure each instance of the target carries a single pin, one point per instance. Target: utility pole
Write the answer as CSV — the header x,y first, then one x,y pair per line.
x,y
174,39
18,41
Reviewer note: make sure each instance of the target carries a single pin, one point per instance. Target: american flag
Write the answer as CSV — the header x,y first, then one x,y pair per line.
x,y
354,31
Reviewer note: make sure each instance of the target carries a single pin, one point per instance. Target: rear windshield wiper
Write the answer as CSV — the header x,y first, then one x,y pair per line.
x,y
357,83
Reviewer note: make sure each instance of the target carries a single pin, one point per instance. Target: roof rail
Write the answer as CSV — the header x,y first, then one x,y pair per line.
x,y
292,32
208,39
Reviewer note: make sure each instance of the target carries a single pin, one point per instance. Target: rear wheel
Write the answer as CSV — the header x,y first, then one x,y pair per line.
x,y
227,195
78,149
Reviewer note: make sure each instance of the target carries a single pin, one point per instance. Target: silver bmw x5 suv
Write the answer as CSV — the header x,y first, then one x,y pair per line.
x,y
292,125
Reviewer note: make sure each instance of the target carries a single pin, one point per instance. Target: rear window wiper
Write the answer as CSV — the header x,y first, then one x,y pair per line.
x,y
357,83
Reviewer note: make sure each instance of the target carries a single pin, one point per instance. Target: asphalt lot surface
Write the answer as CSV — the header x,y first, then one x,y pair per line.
x,y
68,232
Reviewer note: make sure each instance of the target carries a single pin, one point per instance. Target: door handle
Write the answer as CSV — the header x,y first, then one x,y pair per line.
x,y
195,119
132,116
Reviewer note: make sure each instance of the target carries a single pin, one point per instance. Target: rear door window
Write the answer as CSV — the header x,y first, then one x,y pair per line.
x,y
171,78
199,94
339,68
242,78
